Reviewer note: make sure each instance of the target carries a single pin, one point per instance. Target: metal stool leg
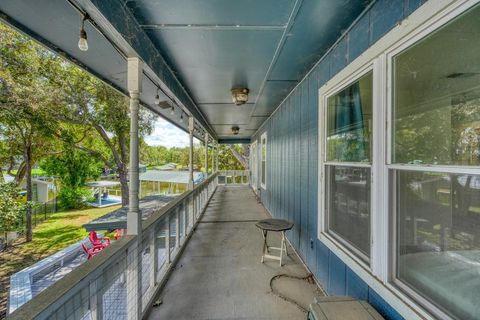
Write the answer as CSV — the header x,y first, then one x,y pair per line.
x,y
265,246
282,246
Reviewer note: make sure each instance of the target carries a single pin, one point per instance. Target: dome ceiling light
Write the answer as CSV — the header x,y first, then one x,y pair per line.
x,y
240,95
235,130
82,42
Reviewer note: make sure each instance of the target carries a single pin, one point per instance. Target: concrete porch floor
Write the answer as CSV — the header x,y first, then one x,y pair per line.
x,y
220,276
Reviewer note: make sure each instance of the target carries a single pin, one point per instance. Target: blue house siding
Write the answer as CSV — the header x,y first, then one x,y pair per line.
x,y
292,154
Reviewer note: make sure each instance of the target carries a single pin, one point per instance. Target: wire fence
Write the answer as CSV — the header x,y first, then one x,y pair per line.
x,y
40,213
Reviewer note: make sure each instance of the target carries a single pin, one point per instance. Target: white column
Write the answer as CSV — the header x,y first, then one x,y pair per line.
x,y
213,157
134,218
134,87
216,157
206,153
191,126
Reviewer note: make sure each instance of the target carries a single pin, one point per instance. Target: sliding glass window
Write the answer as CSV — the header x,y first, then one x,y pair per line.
x,y
348,165
435,177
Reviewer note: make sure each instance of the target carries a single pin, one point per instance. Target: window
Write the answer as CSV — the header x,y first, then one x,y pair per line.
x,y
438,238
349,122
437,97
347,165
263,156
349,205
435,187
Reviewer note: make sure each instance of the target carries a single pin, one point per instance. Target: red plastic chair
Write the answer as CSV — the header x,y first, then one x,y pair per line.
x,y
91,252
98,242
118,234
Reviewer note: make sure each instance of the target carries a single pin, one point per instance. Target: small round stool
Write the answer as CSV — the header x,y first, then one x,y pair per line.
x,y
275,225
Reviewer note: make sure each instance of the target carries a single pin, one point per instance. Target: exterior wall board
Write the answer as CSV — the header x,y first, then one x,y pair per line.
x,y
385,14
382,306
312,143
303,177
292,161
359,38
338,59
338,275
356,287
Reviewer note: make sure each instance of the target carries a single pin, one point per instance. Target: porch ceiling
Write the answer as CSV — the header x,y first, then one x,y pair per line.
x,y
210,45
266,46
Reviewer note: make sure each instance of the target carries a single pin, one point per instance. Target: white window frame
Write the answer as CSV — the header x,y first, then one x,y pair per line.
x,y
378,275
254,165
396,167
324,93
263,137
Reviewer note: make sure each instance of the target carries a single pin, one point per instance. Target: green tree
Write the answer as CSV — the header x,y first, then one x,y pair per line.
x,y
27,102
74,167
229,155
93,104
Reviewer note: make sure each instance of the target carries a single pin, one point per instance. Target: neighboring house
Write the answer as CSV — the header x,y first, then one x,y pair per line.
x,y
142,168
166,182
44,189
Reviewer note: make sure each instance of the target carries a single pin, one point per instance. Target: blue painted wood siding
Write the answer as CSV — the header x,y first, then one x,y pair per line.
x,y
292,154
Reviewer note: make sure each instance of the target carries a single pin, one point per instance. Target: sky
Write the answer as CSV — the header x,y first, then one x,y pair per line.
x,y
166,134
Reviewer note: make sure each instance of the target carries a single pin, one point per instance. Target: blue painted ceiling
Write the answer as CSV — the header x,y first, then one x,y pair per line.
x,y
210,45
265,45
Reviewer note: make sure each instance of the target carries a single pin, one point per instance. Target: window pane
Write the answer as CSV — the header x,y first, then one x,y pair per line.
x,y
263,172
349,119
264,157
437,97
438,238
349,205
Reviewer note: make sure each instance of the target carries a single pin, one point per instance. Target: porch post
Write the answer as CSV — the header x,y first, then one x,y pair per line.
x,y
134,88
190,158
206,153
134,219
216,156
213,157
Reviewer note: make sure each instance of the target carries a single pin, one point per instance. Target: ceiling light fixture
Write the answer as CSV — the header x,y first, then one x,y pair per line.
x,y
235,130
172,111
82,42
157,98
181,118
240,95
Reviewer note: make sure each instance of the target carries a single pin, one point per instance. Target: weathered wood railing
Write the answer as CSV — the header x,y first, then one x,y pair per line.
x,y
121,282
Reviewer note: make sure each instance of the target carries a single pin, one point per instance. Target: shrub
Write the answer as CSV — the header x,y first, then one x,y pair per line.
x,y
11,208
72,198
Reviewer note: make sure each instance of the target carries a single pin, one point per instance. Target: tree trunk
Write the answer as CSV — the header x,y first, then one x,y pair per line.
x,y
122,168
121,159
22,170
28,180
123,175
243,160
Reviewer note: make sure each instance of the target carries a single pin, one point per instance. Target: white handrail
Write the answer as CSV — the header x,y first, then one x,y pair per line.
x,y
98,288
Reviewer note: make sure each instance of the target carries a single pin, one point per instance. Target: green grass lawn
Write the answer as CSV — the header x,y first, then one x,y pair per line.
x,y
35,172
59,231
